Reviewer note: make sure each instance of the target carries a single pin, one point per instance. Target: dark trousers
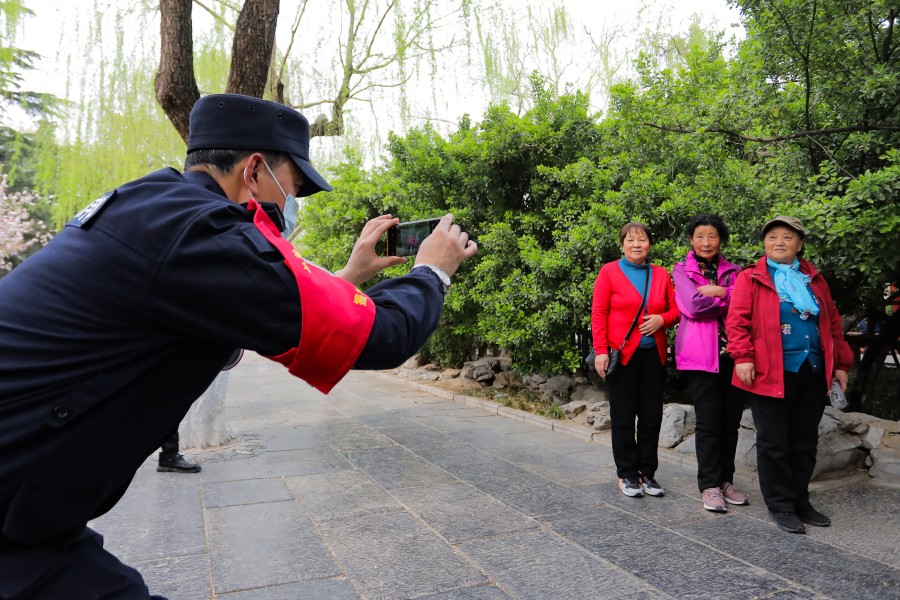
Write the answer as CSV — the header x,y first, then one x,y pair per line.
x,y
787,433
81,570
718,406
169,450
636,391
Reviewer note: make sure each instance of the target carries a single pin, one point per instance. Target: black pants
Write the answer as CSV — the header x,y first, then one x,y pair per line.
x,y
80,570
787,433
169,449
718,406
636,391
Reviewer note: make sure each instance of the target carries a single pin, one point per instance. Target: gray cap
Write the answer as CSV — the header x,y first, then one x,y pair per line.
x,y
236,122
789,222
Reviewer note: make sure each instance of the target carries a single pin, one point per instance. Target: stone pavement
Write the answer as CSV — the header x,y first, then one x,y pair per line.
x,y
381,490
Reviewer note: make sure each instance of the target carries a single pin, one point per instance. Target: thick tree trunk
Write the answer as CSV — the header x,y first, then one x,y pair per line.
x,y
251,52
176,88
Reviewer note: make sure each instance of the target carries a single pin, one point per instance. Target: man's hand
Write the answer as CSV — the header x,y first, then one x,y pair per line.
x,y
746,372
364,263
447,247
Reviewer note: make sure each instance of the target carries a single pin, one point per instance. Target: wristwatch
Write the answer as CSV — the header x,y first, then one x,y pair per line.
x,y
439,273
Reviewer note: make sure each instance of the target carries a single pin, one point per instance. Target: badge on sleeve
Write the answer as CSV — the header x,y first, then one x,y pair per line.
x,y
91,210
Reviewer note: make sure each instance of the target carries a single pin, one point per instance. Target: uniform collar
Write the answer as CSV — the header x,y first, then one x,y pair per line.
x,y
205,180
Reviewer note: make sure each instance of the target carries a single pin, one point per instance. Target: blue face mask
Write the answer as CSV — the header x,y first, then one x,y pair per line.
x,y
290,207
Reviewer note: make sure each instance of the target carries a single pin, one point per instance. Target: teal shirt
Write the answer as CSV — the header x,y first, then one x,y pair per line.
x,y
799,337
636,274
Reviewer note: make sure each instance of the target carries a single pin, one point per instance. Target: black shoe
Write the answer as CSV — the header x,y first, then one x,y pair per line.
x,y
811,516
177,464
788,521
631,486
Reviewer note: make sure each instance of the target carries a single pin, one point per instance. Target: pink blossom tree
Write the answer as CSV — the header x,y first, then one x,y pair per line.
x,y
21,232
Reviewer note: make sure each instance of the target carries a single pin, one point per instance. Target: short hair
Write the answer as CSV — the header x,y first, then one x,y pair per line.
x,y
223,160
710,221
635,226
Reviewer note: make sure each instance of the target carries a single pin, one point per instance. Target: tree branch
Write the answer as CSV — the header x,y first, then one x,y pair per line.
x,y
776,138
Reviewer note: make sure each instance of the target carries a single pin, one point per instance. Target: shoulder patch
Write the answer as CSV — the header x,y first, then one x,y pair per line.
x,y
91,210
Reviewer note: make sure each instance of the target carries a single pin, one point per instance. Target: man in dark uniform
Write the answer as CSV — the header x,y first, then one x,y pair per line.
x,y
111,331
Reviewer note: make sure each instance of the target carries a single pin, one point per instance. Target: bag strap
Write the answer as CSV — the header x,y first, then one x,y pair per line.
x,y
640,310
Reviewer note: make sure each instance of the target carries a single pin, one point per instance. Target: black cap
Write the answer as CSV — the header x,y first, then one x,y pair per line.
x,y
236,122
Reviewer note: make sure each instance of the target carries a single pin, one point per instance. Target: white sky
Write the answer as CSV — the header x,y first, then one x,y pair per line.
x,y
58,25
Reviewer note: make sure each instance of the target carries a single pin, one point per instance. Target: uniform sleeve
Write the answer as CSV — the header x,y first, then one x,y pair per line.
x,y
692,303
600,305
407,311
739,319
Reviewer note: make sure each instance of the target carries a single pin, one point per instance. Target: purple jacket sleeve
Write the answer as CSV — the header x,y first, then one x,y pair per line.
x,y
692,303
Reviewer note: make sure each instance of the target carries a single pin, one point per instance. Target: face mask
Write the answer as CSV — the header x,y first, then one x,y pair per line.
x,y
290,207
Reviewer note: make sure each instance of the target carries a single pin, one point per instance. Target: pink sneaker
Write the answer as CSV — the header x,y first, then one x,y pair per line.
x,y
713,500
733,495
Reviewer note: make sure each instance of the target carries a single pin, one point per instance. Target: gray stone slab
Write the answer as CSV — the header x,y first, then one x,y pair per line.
x,y
460,513
567,469
260,545
671,563
337,588
450,422
275,464
286,437
481,592
864,519
670,510
246,491
397,467
541,565
357,437
159,516
415,436
799,558
395,556
341,494
177,577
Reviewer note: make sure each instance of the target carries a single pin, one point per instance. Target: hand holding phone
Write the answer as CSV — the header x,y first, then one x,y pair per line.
x,y
447,246
404,239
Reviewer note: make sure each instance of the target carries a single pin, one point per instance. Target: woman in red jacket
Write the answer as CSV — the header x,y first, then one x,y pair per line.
x,y
636,386
785,335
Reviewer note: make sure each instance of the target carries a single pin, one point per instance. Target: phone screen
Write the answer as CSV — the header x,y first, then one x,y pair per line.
x,y
404,238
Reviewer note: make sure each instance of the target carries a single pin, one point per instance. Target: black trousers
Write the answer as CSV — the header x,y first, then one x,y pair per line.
x,y
718,406
169,449
787,433
636,391
80,570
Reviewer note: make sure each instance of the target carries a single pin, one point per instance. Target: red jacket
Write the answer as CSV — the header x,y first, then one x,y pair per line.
x,y
753,326
615,303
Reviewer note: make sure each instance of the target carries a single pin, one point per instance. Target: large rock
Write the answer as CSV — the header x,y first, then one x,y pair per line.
x,y
589,393
838,451
745,453
677,422
460,385
450,373
885,465
747,420
574,408
600,422
557,389
534,381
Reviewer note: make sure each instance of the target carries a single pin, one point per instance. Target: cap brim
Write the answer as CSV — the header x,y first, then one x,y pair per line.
x,y
313,182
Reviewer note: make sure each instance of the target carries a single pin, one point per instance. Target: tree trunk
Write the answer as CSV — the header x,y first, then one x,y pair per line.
x,y
251,52
176,88
204,426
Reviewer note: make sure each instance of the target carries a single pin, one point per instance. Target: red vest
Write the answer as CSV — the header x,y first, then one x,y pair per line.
x,y
336,317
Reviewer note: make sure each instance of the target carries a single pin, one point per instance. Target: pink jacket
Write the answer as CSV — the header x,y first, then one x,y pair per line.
x,y
754,329
697,338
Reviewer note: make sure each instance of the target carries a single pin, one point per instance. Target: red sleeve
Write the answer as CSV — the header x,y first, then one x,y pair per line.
x,y
843,353
600,312
670,316
740,315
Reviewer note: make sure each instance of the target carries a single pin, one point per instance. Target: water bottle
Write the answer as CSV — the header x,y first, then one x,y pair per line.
x,y
838,399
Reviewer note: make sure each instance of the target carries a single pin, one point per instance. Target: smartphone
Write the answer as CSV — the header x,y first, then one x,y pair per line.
x,y
403,239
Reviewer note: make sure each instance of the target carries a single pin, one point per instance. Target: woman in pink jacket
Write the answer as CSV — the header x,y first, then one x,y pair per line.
x,y
785,335
703,286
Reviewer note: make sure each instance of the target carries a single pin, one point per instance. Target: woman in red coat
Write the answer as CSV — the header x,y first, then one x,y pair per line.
x,y
636,386
785,335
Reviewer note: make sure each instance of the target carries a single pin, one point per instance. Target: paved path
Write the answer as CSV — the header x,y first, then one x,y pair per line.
x,y
379,490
